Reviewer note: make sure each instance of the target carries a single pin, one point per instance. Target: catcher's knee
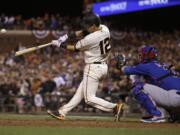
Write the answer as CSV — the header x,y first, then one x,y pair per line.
x,y
138,93
137,88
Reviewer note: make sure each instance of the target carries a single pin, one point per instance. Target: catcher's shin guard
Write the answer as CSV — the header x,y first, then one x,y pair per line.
x,y
145,101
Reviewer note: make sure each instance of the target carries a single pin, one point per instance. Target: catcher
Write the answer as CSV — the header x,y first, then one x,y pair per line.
x,y
162,86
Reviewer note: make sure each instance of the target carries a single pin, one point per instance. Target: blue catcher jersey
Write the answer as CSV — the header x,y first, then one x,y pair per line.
x,y
157,73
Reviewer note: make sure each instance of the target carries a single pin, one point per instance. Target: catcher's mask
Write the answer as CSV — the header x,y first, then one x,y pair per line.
x,y
147,53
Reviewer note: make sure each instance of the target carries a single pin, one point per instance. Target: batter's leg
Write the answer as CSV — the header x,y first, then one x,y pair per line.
x,y
76,99
90,88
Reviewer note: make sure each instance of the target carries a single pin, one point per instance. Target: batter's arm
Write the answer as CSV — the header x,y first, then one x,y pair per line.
x,y
82,44
78,34
69,37
70,47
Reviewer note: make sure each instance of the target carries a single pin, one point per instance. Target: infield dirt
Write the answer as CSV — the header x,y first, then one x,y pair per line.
x,y
84,123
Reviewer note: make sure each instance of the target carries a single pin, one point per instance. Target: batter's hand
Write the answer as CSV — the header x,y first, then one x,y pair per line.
x,y
61,40
56,43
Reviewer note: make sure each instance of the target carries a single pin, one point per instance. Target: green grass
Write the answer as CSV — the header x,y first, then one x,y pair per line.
x,y
19,130
24,116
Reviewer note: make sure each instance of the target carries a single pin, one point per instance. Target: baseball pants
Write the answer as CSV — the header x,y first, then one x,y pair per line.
x,y
87,90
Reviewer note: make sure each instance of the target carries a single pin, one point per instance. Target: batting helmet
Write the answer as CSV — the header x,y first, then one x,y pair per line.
x,y
147,53
91,19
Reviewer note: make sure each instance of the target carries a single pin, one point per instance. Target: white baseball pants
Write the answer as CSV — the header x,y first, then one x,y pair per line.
x,y
87,90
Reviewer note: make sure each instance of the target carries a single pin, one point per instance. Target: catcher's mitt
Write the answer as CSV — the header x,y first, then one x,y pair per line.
x,y
120,60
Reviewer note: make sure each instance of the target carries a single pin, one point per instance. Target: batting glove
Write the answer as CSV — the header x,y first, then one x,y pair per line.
x,y
61,40
56,43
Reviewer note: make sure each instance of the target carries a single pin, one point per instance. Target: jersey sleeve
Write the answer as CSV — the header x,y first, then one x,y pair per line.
x,y
140,69
84,43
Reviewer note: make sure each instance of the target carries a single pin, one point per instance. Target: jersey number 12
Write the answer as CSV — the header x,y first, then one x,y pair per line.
x,y
105,46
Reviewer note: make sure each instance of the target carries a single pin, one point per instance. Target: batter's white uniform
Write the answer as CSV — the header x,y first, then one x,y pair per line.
x,y
96,49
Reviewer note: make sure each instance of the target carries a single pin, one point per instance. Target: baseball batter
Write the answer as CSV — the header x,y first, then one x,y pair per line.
x,y
96,47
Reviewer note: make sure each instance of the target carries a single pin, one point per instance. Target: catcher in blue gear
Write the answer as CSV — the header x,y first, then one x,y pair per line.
x,y
161,89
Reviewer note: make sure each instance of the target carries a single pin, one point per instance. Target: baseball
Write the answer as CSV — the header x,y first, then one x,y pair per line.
x,y
3,30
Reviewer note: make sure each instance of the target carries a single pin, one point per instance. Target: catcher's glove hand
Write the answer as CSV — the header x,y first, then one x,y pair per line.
x,y
120,60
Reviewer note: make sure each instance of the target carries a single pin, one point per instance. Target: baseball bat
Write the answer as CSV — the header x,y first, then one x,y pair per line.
x,y
21,52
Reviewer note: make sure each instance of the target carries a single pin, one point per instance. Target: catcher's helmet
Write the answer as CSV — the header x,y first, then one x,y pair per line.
x,y
147,53
91,19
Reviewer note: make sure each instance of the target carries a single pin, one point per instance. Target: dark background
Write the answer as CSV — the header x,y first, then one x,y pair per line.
x,y
29,8
156,19
164,18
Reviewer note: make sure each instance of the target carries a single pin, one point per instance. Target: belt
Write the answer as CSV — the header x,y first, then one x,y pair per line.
x,y
99,63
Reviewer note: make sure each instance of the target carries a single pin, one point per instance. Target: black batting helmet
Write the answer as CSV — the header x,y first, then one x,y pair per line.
x,y
91,19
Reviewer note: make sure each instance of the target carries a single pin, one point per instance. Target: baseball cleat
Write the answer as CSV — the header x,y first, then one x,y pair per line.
x,y
56,115
118,111
153,119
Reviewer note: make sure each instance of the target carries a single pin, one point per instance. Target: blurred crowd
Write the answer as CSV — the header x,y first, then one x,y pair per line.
x,y
23,78
45,22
